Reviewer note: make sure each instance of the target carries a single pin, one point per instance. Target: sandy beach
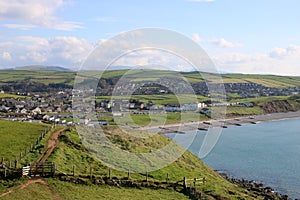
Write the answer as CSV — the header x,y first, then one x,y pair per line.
x,y
205,125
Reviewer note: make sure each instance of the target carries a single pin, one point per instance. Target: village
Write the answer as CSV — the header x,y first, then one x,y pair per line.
x,y
57,106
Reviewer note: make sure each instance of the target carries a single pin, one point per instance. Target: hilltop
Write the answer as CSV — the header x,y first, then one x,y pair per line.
x,y
43,68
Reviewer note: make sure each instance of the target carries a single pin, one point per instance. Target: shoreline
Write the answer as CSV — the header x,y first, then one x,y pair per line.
x,y
221,123
256,187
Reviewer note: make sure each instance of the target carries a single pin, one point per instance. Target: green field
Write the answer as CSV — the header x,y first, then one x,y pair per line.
x,y
16,136
40,76
162,99
47,77
4,95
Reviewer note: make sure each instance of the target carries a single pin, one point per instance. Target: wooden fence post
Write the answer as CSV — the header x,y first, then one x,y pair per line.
x,y
53,169
5,172
184,183
167,179
2,162
147,176
21,155
16,163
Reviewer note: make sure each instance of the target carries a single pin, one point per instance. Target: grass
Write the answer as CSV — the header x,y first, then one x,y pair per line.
x,y
16,136
261,99
71,153
70,191
162,99
159,118
5,95
35,191
236,111
266,80
45,77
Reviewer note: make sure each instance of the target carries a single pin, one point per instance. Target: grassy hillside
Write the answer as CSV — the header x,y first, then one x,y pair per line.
x,y
16,136
71,154
47,77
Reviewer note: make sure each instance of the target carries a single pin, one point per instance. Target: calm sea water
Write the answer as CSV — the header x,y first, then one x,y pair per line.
x,y
267,152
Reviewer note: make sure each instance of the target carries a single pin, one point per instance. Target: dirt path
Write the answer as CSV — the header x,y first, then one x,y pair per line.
x,y
52,143
29,182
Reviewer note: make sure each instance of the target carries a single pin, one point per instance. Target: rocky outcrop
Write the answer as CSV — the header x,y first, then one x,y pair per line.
x,y
279,106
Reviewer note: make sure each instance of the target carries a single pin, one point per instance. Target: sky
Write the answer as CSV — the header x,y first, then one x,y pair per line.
x,y
257,36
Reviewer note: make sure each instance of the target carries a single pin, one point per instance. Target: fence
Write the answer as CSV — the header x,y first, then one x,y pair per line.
x,y
11,167
190,187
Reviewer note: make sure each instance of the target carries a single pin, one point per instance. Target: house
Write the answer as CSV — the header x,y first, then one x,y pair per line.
x,y
23,111
201,105
36,111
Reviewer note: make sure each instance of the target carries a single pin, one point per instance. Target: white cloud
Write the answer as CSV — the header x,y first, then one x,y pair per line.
x,y
153,59
224,43
196,37
6,56
280,53
28,50
284,61
34,13
20,26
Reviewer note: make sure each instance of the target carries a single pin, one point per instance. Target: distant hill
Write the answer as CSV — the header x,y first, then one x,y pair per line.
x,y
43,68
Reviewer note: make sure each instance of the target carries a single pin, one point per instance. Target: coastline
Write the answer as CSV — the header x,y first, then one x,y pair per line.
x,y
224,123
255,187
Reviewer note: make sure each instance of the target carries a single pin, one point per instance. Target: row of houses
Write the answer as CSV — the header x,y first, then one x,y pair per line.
x,y
37,104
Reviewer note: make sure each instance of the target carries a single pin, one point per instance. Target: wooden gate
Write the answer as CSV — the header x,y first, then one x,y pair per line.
x,y
42,169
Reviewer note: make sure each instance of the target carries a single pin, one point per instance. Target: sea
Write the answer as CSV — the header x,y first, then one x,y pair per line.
x,y
267,152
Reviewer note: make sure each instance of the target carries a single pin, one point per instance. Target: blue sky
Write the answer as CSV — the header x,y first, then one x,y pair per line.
x,y
257,36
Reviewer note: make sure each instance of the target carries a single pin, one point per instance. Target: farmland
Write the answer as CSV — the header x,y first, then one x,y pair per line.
x,y
47,77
